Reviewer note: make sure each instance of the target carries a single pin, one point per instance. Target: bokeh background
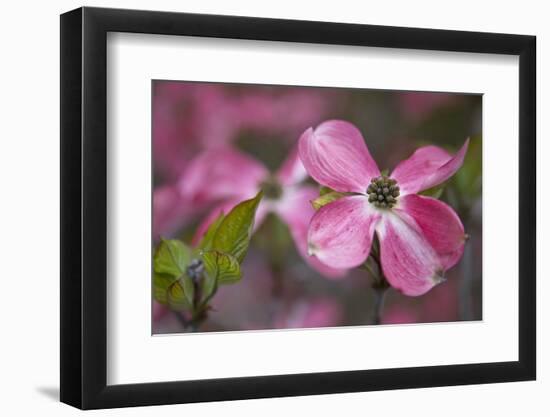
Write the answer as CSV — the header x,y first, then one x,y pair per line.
x,y
278,289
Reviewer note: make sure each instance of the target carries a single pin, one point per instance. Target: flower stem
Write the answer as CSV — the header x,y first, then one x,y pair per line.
x,y
379,298
465,289
379,284
190,325
181,318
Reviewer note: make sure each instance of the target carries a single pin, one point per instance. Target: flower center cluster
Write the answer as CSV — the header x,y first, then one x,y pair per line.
x,y
383,192
195,269
271,188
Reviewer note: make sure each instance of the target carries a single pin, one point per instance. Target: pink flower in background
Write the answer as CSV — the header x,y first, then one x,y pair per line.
x,y
170,211
420,237
417,105
201,183
228,176
322,312
191,117
158,311
399,315
439,305
264,111
221,174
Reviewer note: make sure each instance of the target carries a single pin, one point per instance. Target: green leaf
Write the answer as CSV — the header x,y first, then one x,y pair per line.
x,y
161,283
188,289
326,198
224,267
434,192
169,291
176,297
209,285
171,257
467,180
325,190
233,233
170,283
208,238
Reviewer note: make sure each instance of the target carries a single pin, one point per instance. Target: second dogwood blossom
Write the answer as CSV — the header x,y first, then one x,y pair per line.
x,y
227,176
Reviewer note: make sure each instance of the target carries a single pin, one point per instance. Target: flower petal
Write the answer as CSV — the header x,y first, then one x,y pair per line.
x,y
440,225
221,173
409,263
336,156
340,233
292,170
427,167
296,211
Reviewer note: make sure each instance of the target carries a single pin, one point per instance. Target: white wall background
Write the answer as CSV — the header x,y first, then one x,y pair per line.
x,y
29,225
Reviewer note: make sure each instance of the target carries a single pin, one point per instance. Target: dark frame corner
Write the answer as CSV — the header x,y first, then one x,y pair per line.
x,y
83,207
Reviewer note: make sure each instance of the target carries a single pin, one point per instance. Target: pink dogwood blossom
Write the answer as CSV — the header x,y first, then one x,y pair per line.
x,y
420,237
228,176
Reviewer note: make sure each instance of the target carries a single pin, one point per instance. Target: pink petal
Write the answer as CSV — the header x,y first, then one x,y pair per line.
x,y
221,173
296,211
292,170
336,156
340,233
408,261
440,225
427,167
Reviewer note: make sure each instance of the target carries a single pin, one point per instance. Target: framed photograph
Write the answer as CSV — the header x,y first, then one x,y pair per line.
x,y
259,208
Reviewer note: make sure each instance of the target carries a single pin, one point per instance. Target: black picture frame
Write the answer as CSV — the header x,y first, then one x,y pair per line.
x,y
84,207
